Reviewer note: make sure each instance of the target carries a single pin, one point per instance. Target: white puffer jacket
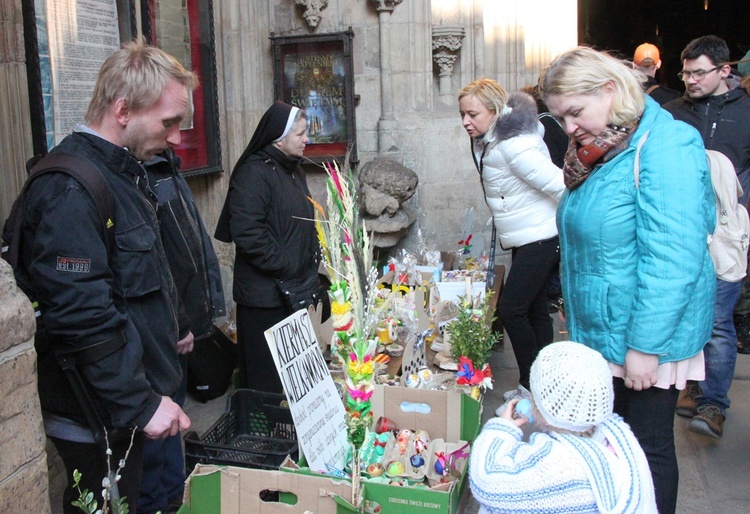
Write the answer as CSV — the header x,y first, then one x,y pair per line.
x,y
521,185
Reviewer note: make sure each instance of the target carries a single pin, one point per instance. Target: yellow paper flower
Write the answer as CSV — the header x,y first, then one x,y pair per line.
x,y
340,308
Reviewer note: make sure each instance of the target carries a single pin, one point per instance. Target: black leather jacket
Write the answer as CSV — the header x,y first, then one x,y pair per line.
x,y
126,294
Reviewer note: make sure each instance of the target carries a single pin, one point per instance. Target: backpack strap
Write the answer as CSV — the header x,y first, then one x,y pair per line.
x,y
637,161
81,169
649,90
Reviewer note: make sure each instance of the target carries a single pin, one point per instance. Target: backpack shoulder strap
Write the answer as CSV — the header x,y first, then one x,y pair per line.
x,y
727,188
86,174
637,161
649,90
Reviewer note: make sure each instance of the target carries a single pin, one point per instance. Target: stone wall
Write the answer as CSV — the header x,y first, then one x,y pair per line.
x,y
23,467
423,127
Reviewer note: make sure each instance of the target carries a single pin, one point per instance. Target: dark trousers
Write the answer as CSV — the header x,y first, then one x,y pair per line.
x,y
163,477
650,414
256,368
523,307
91,460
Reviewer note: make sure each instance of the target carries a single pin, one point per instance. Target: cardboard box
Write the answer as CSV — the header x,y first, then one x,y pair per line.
x,y
236,490
441,423
233,490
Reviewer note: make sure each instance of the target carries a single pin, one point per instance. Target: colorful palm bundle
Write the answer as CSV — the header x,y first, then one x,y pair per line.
x,y
347,255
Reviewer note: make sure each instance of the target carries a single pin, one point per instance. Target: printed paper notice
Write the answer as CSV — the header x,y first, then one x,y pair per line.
x,y
82,35
316,407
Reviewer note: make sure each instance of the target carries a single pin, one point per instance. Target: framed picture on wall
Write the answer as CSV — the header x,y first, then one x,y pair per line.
x,y
314,73
184,29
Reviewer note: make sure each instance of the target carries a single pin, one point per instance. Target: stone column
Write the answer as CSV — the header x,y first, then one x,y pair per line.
x,y
15,121
23,468
387,122
446,42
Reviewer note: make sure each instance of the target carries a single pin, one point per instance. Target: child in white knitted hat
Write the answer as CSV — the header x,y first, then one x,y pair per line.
x,y
584,459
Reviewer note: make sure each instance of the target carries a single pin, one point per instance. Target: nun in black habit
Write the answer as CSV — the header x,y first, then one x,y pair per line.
x,y
267,214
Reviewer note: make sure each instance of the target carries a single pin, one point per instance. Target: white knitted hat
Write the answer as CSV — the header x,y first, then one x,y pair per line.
x,y
572,386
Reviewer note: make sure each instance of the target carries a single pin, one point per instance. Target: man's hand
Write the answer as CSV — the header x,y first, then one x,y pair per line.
x,y
640,370
185,345
168,420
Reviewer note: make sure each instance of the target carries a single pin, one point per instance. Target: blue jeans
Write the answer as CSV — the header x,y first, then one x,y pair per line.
x,y
721,350
163,475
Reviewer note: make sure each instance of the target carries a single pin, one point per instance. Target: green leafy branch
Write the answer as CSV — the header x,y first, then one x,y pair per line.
x,y
471,334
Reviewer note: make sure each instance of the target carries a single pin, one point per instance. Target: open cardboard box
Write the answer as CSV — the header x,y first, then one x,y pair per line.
x,y
233,490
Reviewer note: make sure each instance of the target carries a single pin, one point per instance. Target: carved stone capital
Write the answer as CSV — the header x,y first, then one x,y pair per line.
x,y
385,5
312,12
446,42
447,38
445,61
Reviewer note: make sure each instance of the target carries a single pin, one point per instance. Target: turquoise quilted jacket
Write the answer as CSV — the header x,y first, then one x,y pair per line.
x,y
635,267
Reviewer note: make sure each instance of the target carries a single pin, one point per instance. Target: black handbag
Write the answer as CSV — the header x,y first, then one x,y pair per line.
x,y
300,293
210,366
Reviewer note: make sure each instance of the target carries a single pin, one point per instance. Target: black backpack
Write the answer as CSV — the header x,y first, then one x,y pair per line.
x,y
90,178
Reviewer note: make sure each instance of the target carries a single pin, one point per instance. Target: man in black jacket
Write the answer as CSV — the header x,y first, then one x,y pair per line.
x,y
722,116
197,277
115,312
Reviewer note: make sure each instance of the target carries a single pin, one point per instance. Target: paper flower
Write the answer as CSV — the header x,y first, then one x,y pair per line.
x,y
466,243
468,375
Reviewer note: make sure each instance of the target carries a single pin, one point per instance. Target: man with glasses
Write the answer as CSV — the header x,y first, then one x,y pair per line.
x,y
722,116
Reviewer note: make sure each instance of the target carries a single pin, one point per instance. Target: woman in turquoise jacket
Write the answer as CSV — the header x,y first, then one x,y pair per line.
x,y
638,282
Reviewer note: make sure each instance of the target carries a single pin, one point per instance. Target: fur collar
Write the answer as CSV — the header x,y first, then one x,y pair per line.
x,y
521,120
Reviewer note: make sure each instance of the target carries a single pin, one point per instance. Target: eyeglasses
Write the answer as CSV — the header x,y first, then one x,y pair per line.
x,y
697,74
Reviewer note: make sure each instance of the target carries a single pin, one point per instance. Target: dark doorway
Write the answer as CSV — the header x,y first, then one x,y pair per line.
x,y
621,25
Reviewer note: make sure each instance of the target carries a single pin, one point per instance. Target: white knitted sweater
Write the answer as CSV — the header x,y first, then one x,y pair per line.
x,y
556,473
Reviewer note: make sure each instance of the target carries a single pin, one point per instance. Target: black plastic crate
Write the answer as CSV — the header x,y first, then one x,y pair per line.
x,y
254,432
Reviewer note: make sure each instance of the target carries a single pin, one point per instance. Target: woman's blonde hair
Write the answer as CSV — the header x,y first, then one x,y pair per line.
x,y
585,71
138,74
491,95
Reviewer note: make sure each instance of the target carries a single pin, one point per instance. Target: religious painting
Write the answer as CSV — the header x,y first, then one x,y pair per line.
x,y
314,73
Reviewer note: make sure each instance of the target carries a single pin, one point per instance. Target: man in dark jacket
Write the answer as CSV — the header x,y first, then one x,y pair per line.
x,y
647,59
197,277
115,312
722,116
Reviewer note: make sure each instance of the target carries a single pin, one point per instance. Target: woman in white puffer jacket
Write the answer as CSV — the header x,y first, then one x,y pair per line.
x,y
522,188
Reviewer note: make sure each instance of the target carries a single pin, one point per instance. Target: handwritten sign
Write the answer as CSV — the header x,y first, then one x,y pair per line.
x,y
316,407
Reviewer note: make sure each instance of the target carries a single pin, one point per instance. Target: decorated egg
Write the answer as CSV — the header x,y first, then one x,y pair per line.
x,y
425,375
421,441
403,440
524,408
375,470
412,380
383,424
417,461
394,469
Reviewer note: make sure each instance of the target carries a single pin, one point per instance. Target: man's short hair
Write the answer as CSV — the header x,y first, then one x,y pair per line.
x,y
713,47
137,73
